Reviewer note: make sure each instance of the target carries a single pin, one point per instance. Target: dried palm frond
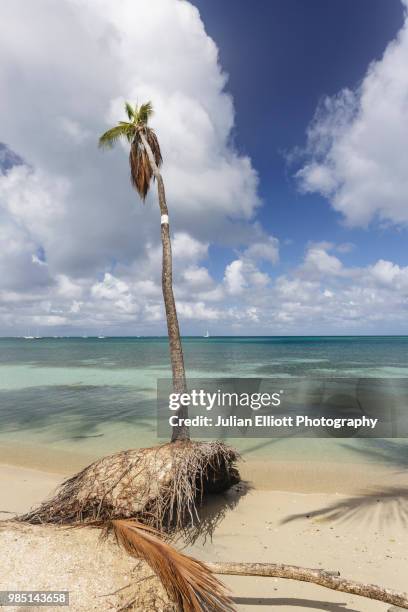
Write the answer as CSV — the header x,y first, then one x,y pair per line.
x,y
140,167
161,486
188,582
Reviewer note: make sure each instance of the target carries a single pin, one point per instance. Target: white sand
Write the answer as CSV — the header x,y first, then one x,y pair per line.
x,y
363,536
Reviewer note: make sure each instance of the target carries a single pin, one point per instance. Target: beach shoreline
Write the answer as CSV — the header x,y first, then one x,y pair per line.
x,y
268,472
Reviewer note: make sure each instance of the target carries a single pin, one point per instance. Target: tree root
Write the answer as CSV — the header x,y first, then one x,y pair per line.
x,y
162,486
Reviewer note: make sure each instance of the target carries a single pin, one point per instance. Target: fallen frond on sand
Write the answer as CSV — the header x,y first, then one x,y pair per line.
x,y
162,486
330,580
188,582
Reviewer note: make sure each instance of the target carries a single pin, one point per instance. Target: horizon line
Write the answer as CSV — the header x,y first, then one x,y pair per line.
x,y
165,336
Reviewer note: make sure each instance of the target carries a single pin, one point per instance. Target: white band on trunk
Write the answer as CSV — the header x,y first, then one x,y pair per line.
x,y
164,219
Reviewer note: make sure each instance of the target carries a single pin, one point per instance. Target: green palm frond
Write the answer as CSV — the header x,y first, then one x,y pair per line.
x,y
123,130
129,111
144,113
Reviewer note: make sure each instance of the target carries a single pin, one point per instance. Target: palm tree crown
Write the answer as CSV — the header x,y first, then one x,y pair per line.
x,y
140,168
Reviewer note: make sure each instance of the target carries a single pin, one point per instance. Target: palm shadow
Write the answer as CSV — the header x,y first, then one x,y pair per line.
x,y
387,505
313,604
37,409
382,450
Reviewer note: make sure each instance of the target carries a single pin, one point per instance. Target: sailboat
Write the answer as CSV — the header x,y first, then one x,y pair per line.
x,y
207,334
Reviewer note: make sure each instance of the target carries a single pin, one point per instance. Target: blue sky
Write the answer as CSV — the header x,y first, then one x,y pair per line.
x,y
284,134
281,57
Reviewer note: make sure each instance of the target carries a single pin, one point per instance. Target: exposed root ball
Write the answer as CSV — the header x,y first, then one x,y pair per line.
x,y
161,486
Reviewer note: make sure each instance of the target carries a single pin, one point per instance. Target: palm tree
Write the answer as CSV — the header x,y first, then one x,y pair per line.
x,y
160,487
145,160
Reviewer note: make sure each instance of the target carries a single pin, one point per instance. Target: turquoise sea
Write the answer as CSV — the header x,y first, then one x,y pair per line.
x,y
95,396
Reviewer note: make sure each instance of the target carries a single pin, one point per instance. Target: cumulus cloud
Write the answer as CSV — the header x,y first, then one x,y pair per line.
x,y
390,274
64,79
323,295
319,261
266,249
241,274
76,66
187,248
356,143
80,254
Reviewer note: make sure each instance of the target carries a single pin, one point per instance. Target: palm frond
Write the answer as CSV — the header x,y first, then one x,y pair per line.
x,y
188,582
141,172
144,113
154,145
110,137
129,111
140,168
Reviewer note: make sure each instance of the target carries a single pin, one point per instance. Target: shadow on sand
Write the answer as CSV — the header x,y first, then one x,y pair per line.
x,y
386,505
213,511
327,606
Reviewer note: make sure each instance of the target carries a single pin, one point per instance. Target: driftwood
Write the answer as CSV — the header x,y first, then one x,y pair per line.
x,y
330,580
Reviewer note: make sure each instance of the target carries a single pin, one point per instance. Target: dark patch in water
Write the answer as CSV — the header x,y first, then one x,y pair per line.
x,y
82,437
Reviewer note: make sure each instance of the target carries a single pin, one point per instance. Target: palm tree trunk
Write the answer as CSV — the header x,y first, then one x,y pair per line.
x,y
180,432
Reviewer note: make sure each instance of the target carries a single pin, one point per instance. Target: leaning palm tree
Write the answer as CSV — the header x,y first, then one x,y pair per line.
x,y
136,491
159,487
145,159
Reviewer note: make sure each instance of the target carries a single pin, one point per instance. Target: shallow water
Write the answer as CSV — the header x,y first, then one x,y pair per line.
x,y
95,396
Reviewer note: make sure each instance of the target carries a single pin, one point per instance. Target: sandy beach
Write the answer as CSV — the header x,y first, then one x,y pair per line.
x,y
358,529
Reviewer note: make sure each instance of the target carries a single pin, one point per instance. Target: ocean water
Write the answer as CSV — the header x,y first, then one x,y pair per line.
x,y
95,396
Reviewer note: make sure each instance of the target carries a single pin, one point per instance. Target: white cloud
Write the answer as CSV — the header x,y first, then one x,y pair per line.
x,y
242,274
76,66
34,200
64,79
318,260
198,277
267,250
320,295
234,277
357,142
185,247
68,289
390,274
80,253
110,288
198,310
35,259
